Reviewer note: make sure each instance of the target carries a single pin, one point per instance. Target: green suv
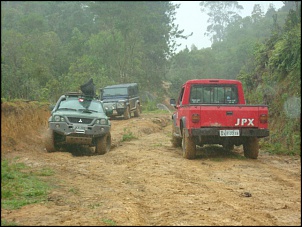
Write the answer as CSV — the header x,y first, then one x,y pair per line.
x,y
78,119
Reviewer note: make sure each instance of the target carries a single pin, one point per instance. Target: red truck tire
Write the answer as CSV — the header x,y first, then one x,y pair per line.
x,y
188,146
251,147
176,141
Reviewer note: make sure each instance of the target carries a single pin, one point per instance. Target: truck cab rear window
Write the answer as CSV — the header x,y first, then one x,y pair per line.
x,y
213,94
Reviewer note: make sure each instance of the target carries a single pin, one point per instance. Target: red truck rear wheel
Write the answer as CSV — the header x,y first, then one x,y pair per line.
x,y
188,146
176,141
251,148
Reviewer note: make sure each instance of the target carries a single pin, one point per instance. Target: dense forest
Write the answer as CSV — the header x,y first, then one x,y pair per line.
x,y
52,47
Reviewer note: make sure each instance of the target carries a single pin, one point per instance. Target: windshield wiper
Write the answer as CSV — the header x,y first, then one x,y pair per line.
x,y
87,111
65,108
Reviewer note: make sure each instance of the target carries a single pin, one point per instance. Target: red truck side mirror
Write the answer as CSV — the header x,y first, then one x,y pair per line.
x,y
173,103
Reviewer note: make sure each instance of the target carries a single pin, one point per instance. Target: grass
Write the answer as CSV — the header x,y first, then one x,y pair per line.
x,y
21,186
128,135
93,206
109,222
278,148
157,145
157,111
74,191
6,223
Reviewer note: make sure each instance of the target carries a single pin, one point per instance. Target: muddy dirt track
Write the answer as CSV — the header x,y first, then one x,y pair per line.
x,y
145,181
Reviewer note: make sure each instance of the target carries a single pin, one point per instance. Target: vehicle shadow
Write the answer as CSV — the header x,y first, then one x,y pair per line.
x,y
78,150
216,152
117,118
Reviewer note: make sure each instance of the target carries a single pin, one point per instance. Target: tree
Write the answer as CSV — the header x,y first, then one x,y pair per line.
x,y
257,13
220,15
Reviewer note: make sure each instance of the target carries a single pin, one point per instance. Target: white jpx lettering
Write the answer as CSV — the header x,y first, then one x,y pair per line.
x,y
243,121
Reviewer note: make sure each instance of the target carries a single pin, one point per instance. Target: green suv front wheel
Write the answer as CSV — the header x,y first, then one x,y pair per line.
x,y
49,141
127,113
103,144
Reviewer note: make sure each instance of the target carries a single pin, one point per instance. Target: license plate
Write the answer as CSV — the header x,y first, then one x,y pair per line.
x,y
79,129
229,132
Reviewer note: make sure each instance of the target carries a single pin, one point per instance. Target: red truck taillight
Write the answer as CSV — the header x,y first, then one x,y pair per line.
x,y
263,118
195,118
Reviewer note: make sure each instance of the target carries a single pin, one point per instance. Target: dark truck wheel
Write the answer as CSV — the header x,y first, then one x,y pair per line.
x,y
188,146
49,141
103,144
176,141
137,111
127,113
251,148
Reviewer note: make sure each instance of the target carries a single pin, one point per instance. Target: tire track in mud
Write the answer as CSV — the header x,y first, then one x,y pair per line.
x,y
247,172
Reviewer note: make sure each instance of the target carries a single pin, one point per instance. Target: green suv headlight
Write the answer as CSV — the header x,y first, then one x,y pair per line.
x,y
101,121
58,118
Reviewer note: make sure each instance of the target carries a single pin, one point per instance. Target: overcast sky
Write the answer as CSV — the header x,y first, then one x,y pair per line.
x,y
191,19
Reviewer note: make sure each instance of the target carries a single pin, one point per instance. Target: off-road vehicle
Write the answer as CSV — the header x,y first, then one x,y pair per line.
x,y
78,118
121,99
214,111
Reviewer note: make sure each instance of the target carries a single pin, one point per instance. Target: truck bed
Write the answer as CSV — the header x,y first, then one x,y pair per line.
x,y
235,116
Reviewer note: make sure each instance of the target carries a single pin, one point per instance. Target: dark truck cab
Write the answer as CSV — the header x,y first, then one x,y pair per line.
x,y
214,111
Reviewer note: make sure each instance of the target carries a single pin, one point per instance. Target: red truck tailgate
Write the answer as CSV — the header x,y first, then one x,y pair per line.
x,y
230,116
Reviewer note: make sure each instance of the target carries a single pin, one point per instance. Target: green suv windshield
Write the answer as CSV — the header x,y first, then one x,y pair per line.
x,y
81,104
115,91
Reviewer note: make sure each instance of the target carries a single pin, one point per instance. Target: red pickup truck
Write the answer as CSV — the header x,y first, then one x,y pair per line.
x,y
214,111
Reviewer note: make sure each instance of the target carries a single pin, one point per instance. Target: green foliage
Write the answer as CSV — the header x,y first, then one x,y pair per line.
x,y
6,223
54,47
286,55
128,135
150,106
109,222
20,186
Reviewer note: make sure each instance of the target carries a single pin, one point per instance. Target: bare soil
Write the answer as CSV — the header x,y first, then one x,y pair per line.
x,y
145,181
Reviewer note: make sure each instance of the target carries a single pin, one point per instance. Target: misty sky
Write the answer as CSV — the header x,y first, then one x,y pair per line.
x,y
191,19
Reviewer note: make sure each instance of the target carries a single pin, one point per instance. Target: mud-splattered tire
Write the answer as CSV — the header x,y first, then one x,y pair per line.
x,y
251,148
137,111
188,147
127,113
176,141
49,141
103,144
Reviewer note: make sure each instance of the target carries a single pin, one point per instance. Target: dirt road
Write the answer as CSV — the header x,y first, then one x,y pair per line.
x,y
145,181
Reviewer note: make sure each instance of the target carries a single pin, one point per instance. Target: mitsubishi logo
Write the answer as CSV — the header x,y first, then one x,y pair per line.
x,y
80,121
